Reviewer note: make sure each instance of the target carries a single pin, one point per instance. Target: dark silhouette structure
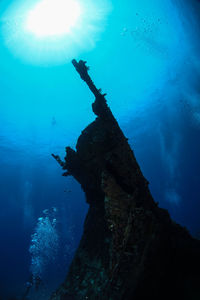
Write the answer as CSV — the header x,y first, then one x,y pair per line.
x,y
130,248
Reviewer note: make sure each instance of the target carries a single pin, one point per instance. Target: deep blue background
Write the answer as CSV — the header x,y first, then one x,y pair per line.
x,y
146,57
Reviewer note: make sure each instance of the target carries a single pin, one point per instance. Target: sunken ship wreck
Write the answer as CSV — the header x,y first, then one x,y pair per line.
x,y
130,248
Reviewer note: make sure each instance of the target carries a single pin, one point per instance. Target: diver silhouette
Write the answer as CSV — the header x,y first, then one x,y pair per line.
x,y
33,282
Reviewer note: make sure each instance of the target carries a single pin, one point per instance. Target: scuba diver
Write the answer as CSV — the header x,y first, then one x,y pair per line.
x,y
33,282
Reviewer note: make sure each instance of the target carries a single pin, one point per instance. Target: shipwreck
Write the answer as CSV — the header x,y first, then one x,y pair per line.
x,y
130,249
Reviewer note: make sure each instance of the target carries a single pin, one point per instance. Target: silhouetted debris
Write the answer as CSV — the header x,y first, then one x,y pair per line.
x,y
130,248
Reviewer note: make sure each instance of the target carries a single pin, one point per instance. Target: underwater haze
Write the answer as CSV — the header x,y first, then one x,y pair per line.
x,y
146,56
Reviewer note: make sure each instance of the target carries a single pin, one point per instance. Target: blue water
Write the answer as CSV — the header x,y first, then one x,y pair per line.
x,y
145,56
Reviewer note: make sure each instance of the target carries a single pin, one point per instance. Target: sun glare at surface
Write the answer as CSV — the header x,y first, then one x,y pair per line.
x,y
51,32
53,17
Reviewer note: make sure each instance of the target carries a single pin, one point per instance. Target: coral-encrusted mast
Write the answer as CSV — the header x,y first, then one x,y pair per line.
x,y
82,69
99,107
130,249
